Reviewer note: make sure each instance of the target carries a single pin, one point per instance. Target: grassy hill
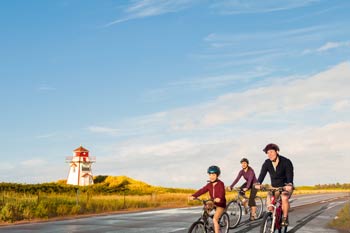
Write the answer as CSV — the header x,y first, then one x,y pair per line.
x,y
25,202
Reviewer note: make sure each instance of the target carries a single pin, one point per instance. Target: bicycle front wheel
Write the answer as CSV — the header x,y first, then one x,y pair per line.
x,y
224,223
259,206
197,227
266,224
234,212
283,230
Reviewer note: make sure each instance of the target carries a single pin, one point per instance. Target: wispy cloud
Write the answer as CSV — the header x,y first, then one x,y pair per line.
x,y
50,135
46,87
259,103
328,46
147,8
333,45
247,49
241,123
33,163
251,6
103,130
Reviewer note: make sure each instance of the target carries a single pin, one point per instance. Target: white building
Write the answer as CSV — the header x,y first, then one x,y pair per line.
x,y
80,172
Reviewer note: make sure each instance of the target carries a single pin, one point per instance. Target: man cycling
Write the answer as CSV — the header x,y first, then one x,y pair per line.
x,y
281,173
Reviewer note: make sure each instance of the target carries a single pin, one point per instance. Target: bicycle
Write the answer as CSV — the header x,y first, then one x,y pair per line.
x,y
272,219
205,223
234,208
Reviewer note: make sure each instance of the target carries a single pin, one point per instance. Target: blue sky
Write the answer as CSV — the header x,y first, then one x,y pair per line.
x,y
160,90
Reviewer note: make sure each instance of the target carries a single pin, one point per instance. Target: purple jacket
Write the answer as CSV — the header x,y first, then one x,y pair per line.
x,y
217,191
249,176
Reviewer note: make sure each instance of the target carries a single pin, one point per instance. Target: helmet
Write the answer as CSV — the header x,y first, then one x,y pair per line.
x,y
245,160
214,169
271,146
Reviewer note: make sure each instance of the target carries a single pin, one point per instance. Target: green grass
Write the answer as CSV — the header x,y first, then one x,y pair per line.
x,y
342,220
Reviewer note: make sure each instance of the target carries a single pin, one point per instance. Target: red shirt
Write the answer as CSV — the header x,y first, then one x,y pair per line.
x,y
215,191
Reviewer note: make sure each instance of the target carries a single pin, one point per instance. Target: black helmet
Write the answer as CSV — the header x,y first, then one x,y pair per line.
x,y
245,160
271,146
214,169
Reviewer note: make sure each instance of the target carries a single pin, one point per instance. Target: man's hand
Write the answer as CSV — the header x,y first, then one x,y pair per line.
x,y
288,187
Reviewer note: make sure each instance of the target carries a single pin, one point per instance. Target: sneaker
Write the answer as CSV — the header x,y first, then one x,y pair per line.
x,y
253,217
284,222
245,210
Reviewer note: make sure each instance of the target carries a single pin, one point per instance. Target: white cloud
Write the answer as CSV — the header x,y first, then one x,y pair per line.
x,y
33,163
46,87
333,45
105,130
185,141
50,135
341,105
252,6
147,8
328,46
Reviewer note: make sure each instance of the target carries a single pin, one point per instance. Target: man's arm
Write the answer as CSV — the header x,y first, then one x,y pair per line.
x,y
289,172
263,173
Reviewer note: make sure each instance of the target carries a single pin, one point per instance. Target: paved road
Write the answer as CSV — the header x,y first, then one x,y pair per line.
x,y
310,213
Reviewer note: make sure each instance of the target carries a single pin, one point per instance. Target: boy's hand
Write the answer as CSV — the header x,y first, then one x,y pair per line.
x,y
217,200
191,198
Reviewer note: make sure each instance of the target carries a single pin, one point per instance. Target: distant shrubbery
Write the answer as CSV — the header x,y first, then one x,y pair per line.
x,y
42,201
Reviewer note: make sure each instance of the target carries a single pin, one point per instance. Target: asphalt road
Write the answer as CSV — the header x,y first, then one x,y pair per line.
x,y
309,213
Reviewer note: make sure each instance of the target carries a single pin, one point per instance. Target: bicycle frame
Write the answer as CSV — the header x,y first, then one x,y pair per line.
x,y
207,214
276,204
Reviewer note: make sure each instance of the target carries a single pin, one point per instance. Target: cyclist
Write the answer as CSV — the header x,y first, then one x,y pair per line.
x,y
216,189
249,175
281,173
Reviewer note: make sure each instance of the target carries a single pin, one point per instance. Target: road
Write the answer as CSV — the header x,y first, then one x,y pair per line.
x,y
309,213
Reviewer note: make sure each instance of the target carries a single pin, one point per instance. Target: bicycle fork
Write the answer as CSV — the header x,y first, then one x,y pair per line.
x,y
272,230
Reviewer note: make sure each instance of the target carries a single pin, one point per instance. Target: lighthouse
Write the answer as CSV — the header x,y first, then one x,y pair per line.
x,y
80,172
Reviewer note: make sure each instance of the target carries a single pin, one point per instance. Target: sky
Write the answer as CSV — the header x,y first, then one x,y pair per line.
x,y
159,90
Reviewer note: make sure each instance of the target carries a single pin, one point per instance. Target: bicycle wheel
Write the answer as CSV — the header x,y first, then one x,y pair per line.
x,y
224,223
259,206
266,224
283,230
197,227
234,212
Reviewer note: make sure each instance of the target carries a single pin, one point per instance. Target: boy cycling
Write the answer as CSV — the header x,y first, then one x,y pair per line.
x,y
216,189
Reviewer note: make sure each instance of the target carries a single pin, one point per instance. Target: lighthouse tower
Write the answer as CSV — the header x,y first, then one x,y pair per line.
x,y
80,167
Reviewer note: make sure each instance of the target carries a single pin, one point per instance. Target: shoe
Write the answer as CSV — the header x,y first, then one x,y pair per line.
x,y
253,217
284,222
245,210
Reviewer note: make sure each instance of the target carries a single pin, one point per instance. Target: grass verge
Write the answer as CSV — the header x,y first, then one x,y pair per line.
x,y
342,220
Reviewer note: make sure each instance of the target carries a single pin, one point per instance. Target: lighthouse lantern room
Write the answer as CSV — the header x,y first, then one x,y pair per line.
x,y
80,172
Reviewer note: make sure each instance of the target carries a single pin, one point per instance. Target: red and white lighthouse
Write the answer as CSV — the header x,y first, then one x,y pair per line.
x,y
80,172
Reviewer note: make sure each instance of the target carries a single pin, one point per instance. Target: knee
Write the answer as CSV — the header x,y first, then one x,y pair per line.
x,y
215,220
285,198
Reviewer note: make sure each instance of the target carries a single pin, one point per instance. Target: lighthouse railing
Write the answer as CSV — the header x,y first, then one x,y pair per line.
x,y
91,159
